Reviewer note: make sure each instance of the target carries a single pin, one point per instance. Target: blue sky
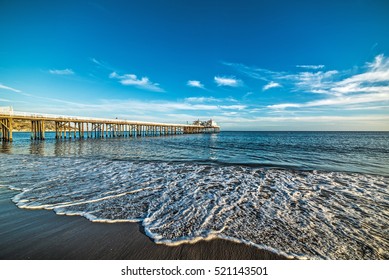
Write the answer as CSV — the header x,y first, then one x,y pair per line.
x,y
249,65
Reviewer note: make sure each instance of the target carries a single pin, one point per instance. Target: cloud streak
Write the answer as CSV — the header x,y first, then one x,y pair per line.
x,y
66,71
95,61
226,81
338,101
132,80
271,85
371,86
313,67
9,88
255,72
201,99
194,83
333,88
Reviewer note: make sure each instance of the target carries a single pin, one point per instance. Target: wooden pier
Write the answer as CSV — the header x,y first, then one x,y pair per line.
x,y
67,127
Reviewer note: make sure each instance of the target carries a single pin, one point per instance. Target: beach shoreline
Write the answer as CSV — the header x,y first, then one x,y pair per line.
x,y
43,235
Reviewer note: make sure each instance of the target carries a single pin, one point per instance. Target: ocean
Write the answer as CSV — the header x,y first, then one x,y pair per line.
x,y
305,195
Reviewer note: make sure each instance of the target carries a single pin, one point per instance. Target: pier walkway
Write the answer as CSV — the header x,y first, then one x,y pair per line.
x,y
83,127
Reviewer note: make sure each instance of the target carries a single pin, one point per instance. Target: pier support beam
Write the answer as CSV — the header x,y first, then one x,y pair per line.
x,y
37,130
6,129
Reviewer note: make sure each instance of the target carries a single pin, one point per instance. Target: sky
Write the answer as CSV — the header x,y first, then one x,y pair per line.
x,y
248,65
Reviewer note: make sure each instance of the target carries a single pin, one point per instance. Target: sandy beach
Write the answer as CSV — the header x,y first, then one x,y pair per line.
x,y
43,235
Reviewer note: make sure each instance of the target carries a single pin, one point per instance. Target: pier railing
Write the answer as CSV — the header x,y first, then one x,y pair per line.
x,y
84,127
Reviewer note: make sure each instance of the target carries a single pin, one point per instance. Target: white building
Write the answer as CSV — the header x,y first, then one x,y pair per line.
x,y
209,123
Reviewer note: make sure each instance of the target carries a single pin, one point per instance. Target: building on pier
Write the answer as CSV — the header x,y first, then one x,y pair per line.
x,y
210,123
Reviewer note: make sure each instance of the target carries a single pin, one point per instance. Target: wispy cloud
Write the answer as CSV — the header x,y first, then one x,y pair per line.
x,y
370,86
203,99
102,65
337,101
132,80
283,106
301,81
216,103
200,99
194,83
311,82
9,88
233,107
313,67
378,71
271,85
254,72
95,61
380,62
324,118
227,81
248,94
66,71
339,89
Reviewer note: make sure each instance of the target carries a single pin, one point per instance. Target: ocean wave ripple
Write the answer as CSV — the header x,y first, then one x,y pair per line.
x,y
302,214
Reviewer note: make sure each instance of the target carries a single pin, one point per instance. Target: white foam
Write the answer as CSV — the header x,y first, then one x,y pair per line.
x,y
301,214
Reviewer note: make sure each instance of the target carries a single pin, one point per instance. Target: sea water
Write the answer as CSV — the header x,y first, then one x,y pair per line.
x,y
315,195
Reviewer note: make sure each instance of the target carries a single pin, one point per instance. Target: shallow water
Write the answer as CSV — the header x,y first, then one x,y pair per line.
x,y
306,195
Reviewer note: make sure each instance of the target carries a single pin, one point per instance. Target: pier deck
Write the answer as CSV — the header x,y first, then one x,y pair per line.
x,y
83,127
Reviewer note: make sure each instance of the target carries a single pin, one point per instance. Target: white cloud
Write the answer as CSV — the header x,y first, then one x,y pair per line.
x,y
101,64
320,91
302,81
364,107
248,94
380,62
229,114
234,107
284,106
61,72
356,88
132,80
95,61
9,88
201,99
382,75
194,83
313,67
310,82
375,80
347,100
271,85
225,81
343,90
324,118
337,101
254,72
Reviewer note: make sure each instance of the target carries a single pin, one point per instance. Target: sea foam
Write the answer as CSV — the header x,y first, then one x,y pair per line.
x,y
301,214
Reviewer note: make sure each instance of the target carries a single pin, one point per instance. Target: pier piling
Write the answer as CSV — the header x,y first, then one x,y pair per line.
x,y
6,129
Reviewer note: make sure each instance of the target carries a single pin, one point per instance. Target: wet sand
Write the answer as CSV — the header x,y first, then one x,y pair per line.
x,y
43,235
